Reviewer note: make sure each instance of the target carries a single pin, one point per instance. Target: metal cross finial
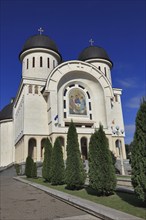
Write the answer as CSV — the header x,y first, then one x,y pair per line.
x,y
91,42
40,30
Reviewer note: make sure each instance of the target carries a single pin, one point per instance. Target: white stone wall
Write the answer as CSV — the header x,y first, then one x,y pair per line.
x,y
6,143
33,69
21,148
102,65
35,113
117,113
19,118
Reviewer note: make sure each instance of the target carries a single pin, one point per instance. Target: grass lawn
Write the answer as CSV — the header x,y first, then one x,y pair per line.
x,y
123,177
121,201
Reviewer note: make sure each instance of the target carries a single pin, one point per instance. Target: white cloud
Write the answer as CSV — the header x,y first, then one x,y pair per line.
x,y
128,83
134,102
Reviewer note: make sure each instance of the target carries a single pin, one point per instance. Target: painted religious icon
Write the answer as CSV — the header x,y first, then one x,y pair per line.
x,y
77,102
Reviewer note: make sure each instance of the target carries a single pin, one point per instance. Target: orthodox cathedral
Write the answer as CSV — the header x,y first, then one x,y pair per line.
x,y
52,93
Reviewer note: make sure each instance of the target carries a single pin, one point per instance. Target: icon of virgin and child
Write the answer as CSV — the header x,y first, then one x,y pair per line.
x,y
77,102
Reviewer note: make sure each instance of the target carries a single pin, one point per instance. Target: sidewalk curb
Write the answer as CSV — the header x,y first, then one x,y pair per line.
x,y
97,210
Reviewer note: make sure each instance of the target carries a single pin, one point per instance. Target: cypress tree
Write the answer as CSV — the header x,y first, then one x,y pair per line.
x,y
102,176
57,164
74,173
34,171
28,167
46,170
138,156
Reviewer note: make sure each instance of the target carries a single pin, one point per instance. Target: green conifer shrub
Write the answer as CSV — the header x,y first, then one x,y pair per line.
x,y
138,156
57,164
102,176
34,171
46,169
74,173
28,167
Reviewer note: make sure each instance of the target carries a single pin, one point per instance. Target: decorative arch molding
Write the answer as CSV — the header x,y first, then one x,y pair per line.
x,y
70,67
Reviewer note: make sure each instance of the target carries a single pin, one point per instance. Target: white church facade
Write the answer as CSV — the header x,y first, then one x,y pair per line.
x,y
51,94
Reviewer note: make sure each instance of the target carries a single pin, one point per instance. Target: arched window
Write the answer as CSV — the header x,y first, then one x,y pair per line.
x,y
27,63
53,63
77,102
32,152
33,62
43,148
61,140
105,71
118,145
30,88
41,61
36,89
48,62
116,98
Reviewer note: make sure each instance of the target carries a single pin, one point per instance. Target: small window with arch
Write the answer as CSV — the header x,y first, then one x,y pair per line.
x,y
116,98
48,62
30,88
36,89
27,64
33,62
53,63
41,61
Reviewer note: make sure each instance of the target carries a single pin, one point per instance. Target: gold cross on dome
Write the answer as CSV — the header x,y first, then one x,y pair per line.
x,y
91,42
40,30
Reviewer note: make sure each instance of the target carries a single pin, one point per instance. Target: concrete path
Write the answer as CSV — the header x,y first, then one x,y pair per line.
x,y
98,210
20,201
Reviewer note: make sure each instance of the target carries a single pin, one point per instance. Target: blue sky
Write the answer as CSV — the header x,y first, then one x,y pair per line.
x,y
119,26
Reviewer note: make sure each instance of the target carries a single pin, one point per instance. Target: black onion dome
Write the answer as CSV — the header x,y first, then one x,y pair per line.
x,y
39,41
7,112
93,52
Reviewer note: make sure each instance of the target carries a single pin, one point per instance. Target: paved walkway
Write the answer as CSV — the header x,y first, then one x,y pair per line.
x,y
98,210
20,201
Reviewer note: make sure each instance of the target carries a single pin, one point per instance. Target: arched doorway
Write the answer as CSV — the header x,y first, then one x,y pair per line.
x,y
32,151
84,148
43,148
118,145
62,142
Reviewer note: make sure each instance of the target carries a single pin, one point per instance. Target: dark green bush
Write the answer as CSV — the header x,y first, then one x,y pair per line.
x,y
74,173
34,171
138,156
102,176
46,170
28,167
57,164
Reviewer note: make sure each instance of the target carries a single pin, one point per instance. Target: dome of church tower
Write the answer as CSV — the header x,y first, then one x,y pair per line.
x,y
40,41
7,111
93,52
